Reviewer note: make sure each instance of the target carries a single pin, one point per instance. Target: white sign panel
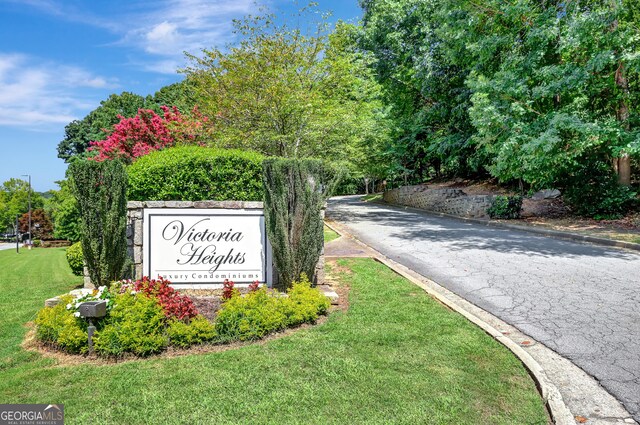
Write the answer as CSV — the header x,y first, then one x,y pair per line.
x,y
206,246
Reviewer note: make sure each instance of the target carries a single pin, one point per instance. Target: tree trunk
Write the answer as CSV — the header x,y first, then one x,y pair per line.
x,y
622,167
622,164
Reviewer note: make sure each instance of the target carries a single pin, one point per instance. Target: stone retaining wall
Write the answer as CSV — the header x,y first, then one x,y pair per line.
x,y
447,201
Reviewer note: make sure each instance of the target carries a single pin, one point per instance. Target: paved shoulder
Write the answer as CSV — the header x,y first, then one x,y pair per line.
x,y
581,300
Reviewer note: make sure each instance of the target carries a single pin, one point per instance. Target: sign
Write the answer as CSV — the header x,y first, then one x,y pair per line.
x,y
206,246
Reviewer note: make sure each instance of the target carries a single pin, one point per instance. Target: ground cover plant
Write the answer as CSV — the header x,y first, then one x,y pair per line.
x,y
395,356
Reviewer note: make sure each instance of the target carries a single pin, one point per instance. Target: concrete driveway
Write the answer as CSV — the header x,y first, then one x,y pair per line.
x,y
7,246
581,300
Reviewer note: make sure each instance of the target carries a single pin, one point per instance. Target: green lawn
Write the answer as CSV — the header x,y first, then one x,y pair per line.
x,y
396,356
329,235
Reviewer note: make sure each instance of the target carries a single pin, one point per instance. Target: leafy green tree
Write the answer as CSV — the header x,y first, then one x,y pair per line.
x,y
96,125
558,109
180,94
63,209
282,91
540,93
14,201
422,71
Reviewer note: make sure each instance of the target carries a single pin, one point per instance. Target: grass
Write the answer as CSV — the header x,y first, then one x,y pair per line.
x,y
396,356
329,235
372,197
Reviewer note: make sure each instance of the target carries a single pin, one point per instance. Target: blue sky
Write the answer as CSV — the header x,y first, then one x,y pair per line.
x,y
60,58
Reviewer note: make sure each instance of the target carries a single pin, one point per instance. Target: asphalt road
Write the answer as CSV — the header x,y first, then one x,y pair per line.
x,y
580,300
7,246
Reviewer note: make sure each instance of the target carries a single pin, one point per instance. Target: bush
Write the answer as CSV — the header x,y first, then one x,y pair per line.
x,y
197,331
75,258
294,194
173,304
306,303
600,198
505,207
59,327
100,188
250,317
194,173
136,325
261,312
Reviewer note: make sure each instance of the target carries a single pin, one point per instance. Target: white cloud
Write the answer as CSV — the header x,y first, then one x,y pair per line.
x,y
176,26
162,29
36,94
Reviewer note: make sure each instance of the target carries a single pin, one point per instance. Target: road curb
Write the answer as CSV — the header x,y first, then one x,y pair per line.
x,y
538,230
560,413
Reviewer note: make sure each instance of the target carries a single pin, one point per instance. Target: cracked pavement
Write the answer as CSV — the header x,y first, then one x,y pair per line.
x,y
580,300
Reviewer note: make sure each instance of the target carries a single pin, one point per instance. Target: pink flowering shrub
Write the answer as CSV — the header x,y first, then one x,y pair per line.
x,y
134,137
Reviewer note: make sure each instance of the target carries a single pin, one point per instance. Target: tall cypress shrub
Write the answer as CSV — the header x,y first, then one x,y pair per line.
x,y
294,194
101,191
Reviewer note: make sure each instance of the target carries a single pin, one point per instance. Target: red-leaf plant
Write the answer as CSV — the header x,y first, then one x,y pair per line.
x,y
174,305
227,289
134,137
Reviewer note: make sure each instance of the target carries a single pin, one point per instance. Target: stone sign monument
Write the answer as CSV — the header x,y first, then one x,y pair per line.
x,y
205,246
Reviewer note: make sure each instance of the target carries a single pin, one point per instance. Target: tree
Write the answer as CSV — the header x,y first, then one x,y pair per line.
x,y
536,93
422,71
282,91
295,192
41,227
180,94
96,125
557,110
63,209
14,201
100,189
148,131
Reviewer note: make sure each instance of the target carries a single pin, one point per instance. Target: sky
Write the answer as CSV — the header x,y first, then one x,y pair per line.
x,y
60,58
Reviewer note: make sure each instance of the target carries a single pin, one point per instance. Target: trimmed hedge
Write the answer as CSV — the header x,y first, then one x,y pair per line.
x,y
196,173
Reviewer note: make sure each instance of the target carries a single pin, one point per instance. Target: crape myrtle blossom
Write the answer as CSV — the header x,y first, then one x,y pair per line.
x,y
134,137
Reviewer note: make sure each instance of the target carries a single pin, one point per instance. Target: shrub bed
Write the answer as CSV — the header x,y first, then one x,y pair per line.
x,y
145,317
194,173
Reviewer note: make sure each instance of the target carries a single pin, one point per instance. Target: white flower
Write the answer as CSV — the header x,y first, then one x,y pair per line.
x,y
77,314
69,306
